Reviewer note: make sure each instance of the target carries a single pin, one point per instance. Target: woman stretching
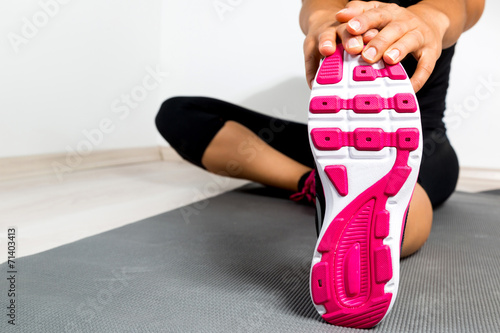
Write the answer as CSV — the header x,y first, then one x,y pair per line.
x,y
367,143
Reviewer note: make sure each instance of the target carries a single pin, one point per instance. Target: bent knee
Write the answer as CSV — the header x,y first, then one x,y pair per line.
x,y
418,223
188,125
170,116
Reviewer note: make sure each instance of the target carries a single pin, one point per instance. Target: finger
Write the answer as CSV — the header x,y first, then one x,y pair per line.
x,y
424,69
327,41
376,48
311,58
369,35
409,43
352,44
376,18
354,8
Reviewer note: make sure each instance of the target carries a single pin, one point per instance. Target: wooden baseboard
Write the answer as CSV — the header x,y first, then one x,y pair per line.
x,y
480,173
169,154
478,179
60,165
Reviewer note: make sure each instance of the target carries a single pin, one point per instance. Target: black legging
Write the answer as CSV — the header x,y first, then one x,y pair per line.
x,y
190,123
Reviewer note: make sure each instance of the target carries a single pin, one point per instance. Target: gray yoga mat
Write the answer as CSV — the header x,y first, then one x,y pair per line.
x,y
493,192
239,262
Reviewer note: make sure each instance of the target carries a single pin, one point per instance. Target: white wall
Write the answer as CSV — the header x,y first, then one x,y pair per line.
x,y
253,56
70,73
248,52
68,77
473,105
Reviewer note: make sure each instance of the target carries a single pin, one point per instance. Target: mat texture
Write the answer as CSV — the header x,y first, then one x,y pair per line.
x,y
240,263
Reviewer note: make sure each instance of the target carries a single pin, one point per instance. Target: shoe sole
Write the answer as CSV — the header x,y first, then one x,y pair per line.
x,y
365,134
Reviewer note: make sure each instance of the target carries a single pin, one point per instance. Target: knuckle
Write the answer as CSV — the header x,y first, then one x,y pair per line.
x,y
398,28
392,7
380,40
309,44
322,36
341,29
327,33
353,4
380,14
418,36
415,21
402,47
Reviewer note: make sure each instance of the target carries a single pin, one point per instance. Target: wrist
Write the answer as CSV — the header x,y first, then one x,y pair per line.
x,y
435,18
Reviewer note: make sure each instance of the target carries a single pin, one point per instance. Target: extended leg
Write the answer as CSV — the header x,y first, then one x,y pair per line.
x,y
237,151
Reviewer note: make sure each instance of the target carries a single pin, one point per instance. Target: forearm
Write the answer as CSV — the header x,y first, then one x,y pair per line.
x,y
457,16
315,12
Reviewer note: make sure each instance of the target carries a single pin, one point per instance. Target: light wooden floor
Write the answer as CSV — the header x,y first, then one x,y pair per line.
x,y
49,213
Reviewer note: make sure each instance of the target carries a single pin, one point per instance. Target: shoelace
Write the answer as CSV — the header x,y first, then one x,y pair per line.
x,y
308,192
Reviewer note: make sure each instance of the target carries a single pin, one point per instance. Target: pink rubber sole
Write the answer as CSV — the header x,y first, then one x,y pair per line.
x,y
355,271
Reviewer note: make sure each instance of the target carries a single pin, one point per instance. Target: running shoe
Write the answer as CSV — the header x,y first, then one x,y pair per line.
x,y
365,135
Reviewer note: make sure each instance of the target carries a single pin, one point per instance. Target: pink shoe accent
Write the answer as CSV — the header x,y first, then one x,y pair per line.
x,y
364,73
383,266
324,245
404,103
366,139
332,68
308,192
338,176
327,138
358,318
368,73
352,278
401,103
325,104
382,224
397,179
356,234
321,276
395,72
407,138
368,103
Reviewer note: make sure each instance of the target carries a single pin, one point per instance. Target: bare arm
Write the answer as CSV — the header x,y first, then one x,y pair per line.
x,y
461,15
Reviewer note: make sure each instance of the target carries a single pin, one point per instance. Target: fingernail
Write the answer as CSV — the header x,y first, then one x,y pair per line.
x,y
370,53
353,43
370,33
327,44
393,54
354,24
342,11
